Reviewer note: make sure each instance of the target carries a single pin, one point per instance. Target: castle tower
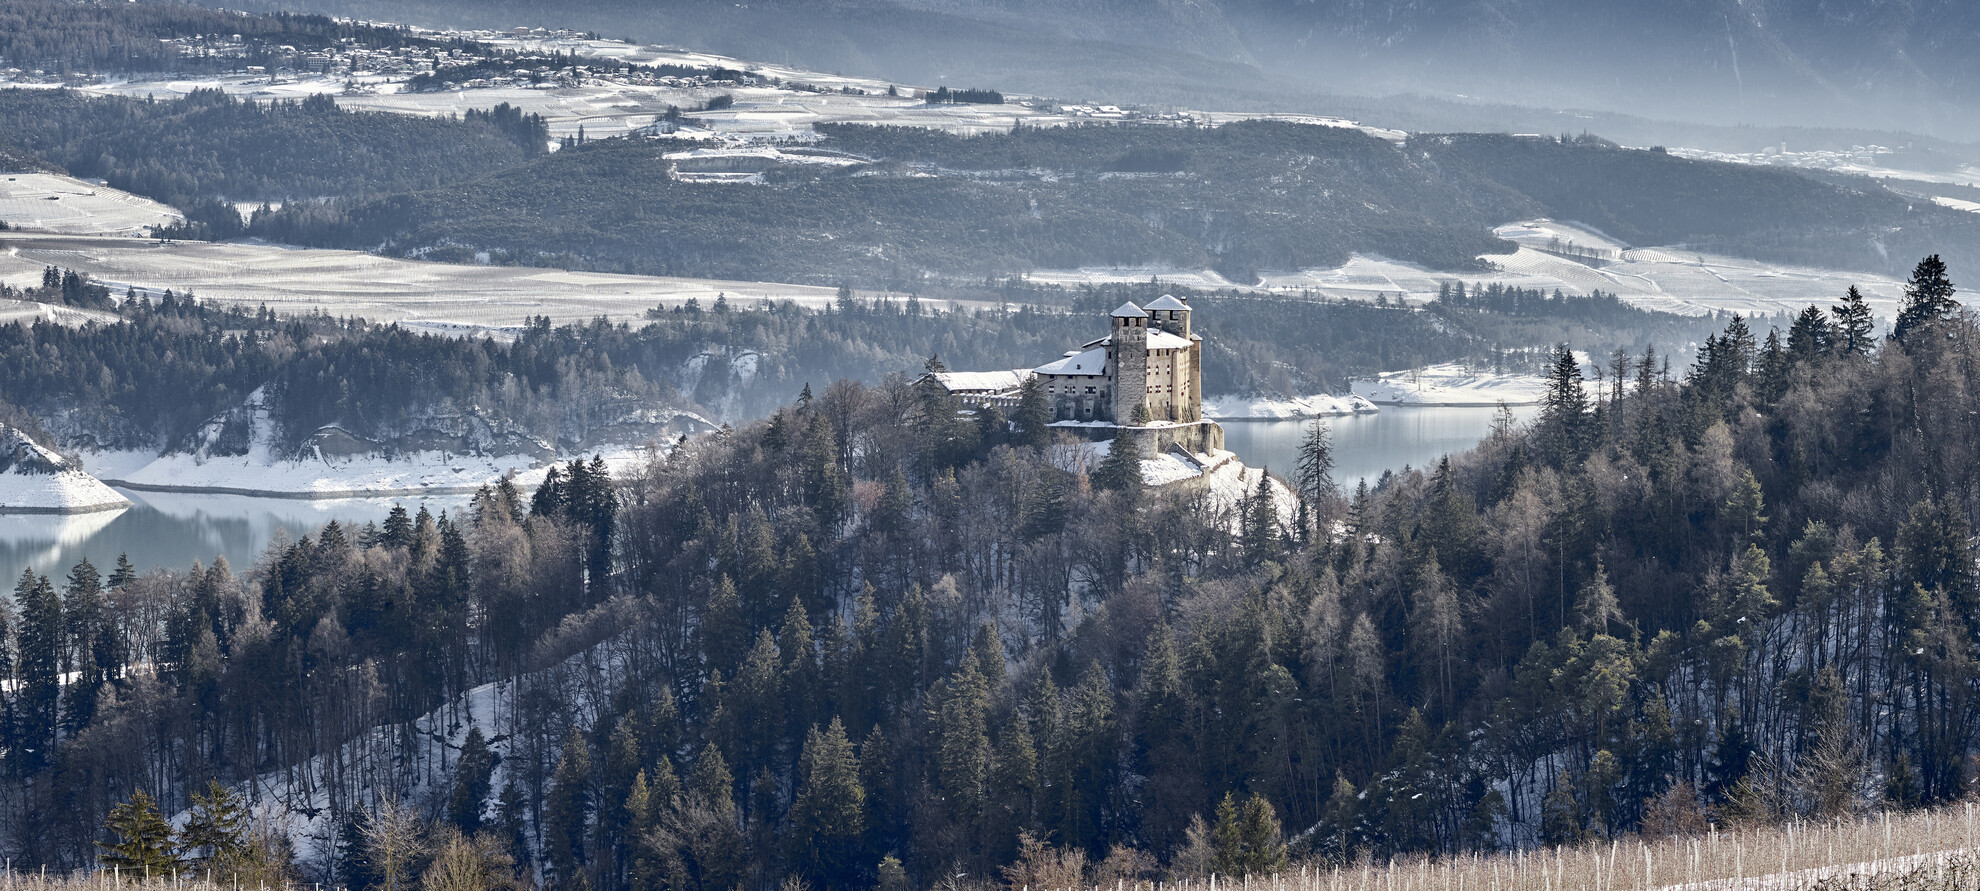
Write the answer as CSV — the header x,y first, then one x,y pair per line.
x,y
1169,314
1172,315
1127,355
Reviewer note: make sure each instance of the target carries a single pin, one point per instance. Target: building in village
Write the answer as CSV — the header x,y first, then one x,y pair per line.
x,y
1146,374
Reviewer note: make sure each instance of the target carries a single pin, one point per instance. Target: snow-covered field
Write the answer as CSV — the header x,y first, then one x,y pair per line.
x,y
1663,279
1862,160
1452,384
441,297
46,202
1261,408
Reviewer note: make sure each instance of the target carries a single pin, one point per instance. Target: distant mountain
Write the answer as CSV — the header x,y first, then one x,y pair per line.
x,y
1833,63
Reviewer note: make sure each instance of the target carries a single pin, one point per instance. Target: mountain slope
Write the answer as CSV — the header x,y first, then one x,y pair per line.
x,y
1779,62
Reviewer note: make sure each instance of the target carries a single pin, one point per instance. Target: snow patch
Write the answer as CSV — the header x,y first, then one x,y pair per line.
x,y
36,480
1261,408
1452,384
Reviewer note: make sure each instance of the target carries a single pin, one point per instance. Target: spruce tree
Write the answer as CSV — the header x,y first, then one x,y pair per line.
x,y
1316,462
38,703
1928,298
91,643
144,840
1034,414
1855,327
1247,840
828,813
215,836
1120,471
567,807
473,775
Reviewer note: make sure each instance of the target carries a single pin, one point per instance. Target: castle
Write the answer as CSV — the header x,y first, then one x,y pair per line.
x,y
1146,374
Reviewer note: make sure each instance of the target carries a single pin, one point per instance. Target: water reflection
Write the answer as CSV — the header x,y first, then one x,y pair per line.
x,y
1365,445
172,530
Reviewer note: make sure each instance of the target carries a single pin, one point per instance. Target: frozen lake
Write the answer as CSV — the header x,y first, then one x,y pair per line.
x,y
173,530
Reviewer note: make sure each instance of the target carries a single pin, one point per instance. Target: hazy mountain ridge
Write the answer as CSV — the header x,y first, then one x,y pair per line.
x,y
1769,62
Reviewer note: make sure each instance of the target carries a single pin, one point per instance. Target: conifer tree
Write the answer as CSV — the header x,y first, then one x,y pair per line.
x,y
215,837
91,644
1120,471
1928,298
828,813
473,775
1563,415
1854,327
1811,335
567,807
1247,840
1033,416
38,703
143,846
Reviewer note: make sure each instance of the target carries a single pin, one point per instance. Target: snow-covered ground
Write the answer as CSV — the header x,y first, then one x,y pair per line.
x,y
1452,384
262,471
27,312
1861,160
38,481
1263,408
1663,279
46,202
440,297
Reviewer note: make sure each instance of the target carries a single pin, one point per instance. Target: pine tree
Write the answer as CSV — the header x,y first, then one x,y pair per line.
x,y
1120,471
1034,414
473,780
567,807
91,644
1316,463
1563,415
1260,516
216,833
144,840
828,813
1928,298
1854,327
38,703
1811,335
1247,840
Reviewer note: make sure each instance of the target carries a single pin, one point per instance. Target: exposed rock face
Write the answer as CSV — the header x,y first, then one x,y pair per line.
x,y
36,480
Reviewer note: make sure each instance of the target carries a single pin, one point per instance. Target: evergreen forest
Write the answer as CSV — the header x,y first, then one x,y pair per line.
x,y
869,641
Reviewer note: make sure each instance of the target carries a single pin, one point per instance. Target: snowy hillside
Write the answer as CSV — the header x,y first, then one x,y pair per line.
x,y
36,480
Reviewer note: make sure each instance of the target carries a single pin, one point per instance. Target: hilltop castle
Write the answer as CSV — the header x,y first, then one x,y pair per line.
x,y
1146,374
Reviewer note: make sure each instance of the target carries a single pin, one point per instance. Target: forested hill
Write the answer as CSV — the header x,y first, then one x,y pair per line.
x,y
171,367
1243,199
867,642
207,150
67,38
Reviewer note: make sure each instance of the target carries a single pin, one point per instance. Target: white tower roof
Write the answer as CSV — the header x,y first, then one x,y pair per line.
x,y
1167,301
1129,311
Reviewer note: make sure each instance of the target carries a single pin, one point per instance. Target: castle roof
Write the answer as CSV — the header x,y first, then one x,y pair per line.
x,y
1092,362
1129,311
1167,301
982,381
1157,340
